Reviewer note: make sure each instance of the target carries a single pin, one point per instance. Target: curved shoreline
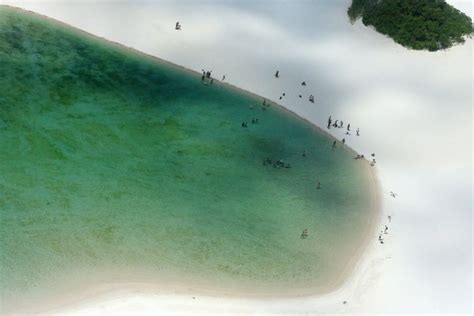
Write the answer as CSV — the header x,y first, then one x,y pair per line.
x,y
352,264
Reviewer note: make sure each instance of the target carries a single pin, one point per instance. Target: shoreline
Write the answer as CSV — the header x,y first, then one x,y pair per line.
x,y
161,61
93,295
103,289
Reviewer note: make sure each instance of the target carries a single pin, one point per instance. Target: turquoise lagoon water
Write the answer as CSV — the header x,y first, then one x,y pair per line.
x,y
113,161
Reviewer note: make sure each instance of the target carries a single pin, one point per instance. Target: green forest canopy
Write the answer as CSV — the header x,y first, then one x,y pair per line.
x,y
416,24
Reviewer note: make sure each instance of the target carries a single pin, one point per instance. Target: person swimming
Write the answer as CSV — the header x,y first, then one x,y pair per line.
x,y
280,164
304,234
267,161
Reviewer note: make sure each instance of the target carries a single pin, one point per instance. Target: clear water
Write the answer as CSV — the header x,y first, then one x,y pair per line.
x,y
112,161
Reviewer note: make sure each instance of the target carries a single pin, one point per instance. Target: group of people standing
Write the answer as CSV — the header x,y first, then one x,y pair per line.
x,y
303,83
384,231
207,75
340,124
254,121
276,163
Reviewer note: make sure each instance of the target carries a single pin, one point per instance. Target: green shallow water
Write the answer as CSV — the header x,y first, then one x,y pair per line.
x,y
111,161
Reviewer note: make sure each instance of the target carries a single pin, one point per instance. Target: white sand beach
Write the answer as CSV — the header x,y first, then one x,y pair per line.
x,y
414,111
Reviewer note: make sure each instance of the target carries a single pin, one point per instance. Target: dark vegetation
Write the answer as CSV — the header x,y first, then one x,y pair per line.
x,y
416,24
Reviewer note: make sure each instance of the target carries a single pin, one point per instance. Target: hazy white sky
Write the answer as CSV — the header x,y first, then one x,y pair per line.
x,y
466,6
414,110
